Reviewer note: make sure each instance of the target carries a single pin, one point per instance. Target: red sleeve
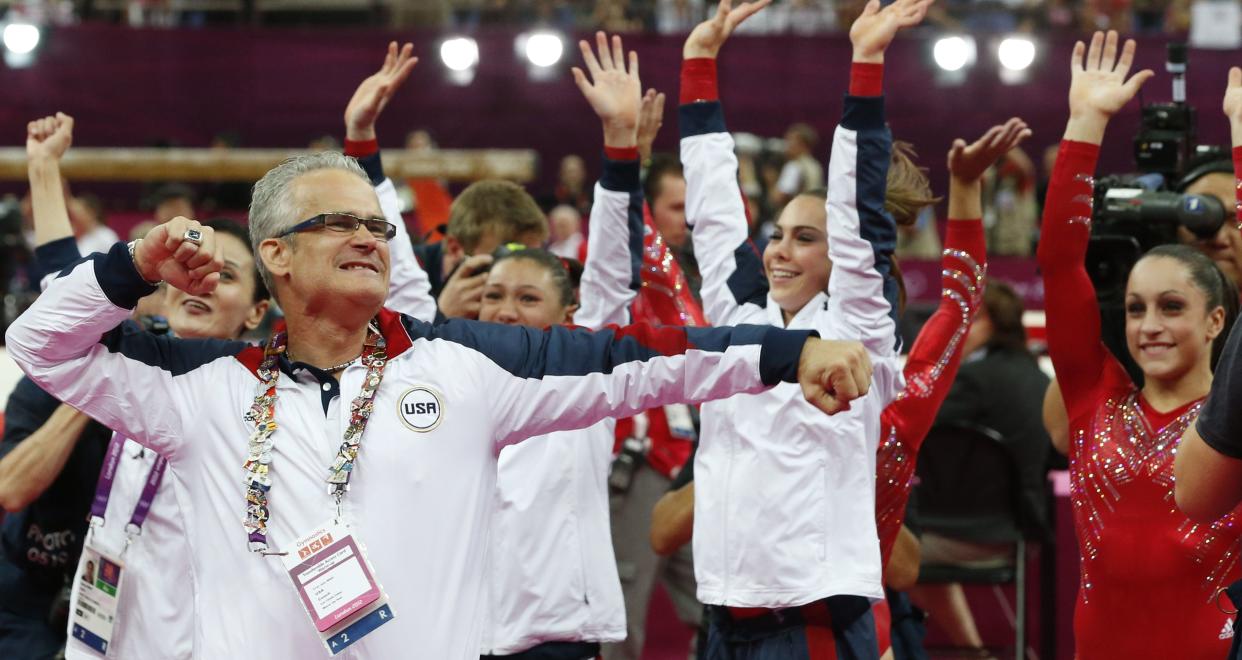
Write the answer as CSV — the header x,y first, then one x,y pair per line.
x,y
361,148
698,80
929,371
1237,176
866,79
1073,322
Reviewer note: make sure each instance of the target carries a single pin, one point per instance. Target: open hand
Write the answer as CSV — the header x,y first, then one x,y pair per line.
x,y
49,138
1098,87
707,37
833,373
165,254
968,162
374,92
874,30
650,119
614,93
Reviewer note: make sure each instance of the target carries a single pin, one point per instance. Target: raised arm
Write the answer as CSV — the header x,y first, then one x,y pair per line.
x,y
931,367
862,295
1098,89
47,140
71,341
932,364
409,290
611,275
1208,466
734,288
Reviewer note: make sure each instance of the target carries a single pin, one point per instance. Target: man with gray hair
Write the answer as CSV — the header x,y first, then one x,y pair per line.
x,y
299,506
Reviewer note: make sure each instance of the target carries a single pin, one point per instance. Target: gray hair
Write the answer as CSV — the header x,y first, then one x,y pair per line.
x,y
271,206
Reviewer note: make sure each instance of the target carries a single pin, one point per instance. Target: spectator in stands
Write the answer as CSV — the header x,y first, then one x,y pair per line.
x,y
802,172
806,17
677,16
999,386
565,232
171,200
430,197
86,215
665,191
1010,208
571,186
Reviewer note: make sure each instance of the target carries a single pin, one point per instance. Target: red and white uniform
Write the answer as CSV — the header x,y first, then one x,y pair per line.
x,y
1149,574
930,369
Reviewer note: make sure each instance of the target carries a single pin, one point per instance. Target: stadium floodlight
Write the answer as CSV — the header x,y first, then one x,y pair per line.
x,y
459,53
21,38
1016,53
953,53
544,49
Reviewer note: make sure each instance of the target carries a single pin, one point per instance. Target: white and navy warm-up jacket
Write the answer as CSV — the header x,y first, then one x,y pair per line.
x,y
552,574
156,612
784,494
422,489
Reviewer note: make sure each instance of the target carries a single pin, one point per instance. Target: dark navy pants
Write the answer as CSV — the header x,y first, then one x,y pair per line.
x,y
835,628
553,651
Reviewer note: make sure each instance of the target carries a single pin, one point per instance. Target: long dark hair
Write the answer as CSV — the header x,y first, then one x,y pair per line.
x,y
1208,277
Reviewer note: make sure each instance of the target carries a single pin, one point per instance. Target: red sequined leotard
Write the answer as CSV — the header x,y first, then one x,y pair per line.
x,y
929,371
1149,575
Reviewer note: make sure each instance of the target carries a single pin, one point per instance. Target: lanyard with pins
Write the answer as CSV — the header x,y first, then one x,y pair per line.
x,y
263,415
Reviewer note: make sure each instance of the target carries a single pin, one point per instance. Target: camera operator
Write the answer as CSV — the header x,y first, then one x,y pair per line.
x,y
1211,174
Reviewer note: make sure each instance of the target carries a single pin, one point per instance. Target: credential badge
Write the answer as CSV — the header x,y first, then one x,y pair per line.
x,y
421,409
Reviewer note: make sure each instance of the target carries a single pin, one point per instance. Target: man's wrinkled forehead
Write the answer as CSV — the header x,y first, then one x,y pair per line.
x,y
323,191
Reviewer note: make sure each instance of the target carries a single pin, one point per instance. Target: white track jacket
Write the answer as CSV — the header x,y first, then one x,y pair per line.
x,y
784,494
419,501
552,572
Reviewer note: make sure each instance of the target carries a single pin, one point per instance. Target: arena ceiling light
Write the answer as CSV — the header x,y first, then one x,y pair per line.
x,y
1016,53
953,53
21,38
459,53
544,49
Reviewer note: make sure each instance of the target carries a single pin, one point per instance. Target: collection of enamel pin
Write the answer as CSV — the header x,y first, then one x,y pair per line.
x,y
263,415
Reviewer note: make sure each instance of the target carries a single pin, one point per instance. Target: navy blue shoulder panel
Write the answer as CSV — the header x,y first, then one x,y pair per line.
x,y
373,165
55,256
176,356
876,225
623,176
564,351
747,283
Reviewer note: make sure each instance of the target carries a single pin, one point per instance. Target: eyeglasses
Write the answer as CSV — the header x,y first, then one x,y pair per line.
x,y
345,223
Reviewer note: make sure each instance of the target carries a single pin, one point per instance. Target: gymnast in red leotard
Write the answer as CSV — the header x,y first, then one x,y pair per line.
x,y
1149,574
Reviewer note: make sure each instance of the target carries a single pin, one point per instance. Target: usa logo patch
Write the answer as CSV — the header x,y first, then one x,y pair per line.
x,y
421,409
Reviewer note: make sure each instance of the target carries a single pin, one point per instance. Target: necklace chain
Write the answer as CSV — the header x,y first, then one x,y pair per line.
x,y
338,367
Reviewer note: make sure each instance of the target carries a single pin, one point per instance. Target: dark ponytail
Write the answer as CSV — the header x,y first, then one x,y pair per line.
x,y
1219,289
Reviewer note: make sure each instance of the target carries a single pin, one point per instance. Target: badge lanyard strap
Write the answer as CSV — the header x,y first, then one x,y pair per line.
x,y
103,489
262,414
